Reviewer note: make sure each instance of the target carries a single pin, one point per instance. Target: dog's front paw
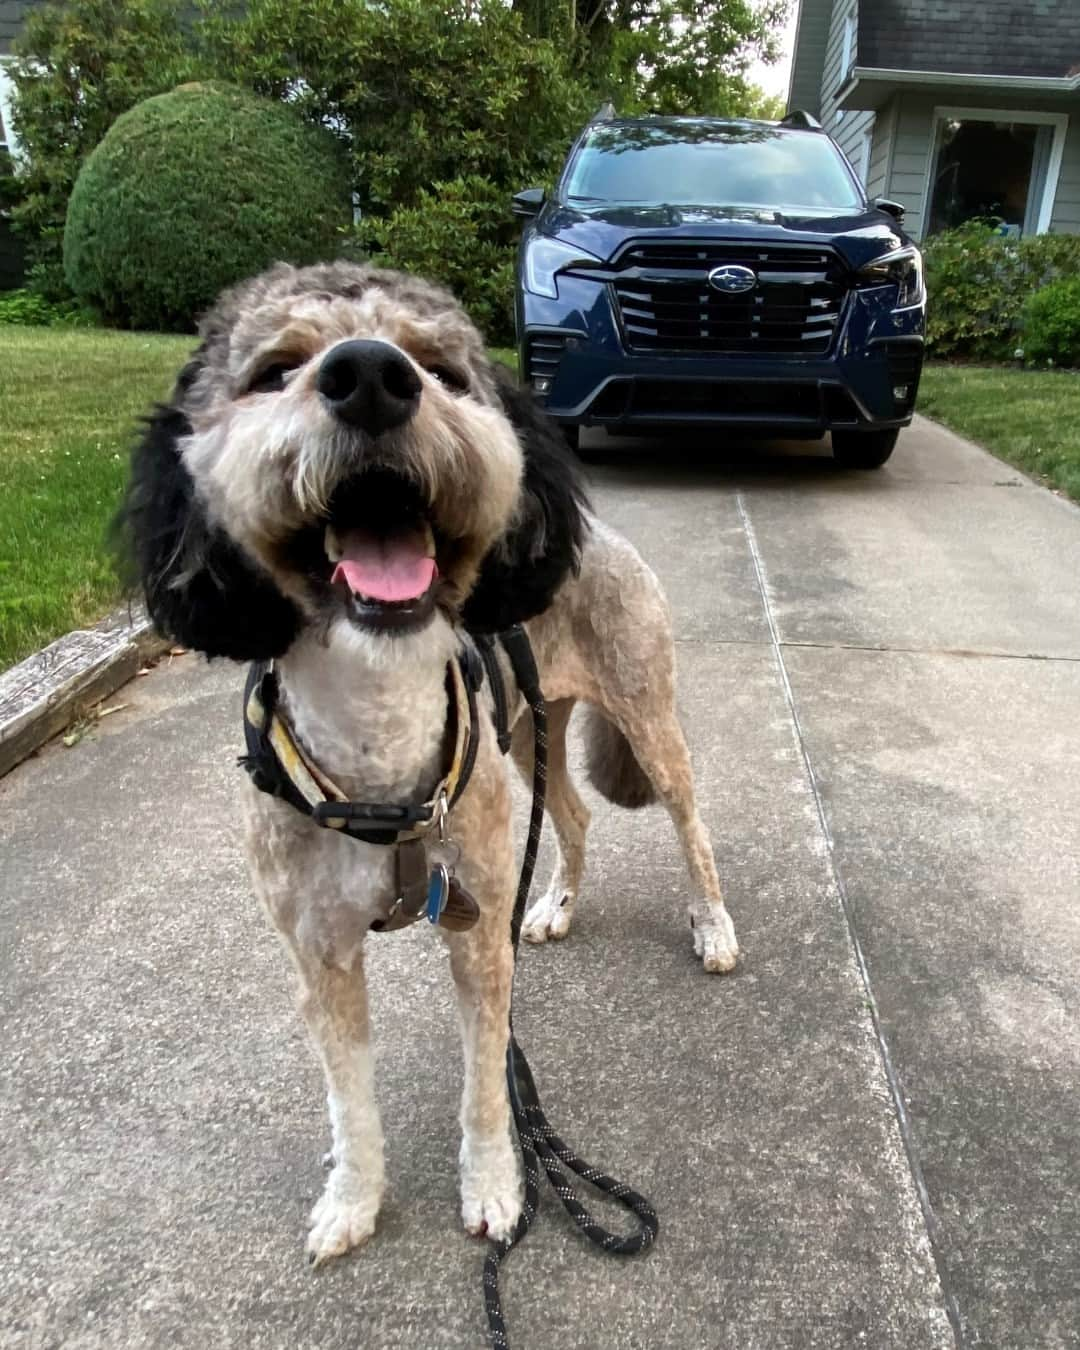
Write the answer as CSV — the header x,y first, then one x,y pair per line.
x,y
714,937
344,1216
549,917
490,1188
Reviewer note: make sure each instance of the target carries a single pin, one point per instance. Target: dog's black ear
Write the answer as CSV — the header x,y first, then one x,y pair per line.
x,y
521,573
201,590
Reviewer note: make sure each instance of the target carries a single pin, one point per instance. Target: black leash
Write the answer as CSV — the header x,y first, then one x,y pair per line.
x,y
539,1142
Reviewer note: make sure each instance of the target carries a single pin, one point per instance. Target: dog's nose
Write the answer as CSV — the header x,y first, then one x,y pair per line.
x,y
369,384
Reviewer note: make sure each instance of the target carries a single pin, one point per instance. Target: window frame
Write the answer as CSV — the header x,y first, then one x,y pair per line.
x,y
1058,122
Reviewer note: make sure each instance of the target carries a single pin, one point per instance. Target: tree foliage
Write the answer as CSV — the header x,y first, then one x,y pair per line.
x,y
432,100
663,56
78,66
428,92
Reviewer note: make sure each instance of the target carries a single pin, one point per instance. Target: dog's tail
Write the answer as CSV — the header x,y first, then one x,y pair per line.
x,y
611,765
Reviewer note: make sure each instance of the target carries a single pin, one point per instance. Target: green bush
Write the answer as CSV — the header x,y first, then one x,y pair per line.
x,y
79,65
28,307
455,234
978,282
1051,324
192,191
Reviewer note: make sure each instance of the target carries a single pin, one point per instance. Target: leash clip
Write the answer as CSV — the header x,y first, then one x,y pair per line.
x,y
442,810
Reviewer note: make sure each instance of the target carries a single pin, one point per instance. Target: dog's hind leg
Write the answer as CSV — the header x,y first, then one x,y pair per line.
x,y
656,739
550,915
334,1006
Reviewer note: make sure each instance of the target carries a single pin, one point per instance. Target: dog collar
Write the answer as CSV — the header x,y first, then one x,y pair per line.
x,y
278,764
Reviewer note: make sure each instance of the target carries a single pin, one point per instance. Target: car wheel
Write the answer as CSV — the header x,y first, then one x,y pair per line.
x,y
572,436
863,449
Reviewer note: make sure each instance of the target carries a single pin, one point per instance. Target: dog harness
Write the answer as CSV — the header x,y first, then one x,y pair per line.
x,y
278,765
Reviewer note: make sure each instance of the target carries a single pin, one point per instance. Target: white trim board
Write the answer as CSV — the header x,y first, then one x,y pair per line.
x,y
7,90
1059,122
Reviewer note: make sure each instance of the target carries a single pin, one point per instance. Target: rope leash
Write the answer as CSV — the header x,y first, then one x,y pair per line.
x,y
539,1141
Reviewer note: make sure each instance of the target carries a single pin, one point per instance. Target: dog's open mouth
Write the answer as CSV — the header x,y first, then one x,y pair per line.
x,y
381,553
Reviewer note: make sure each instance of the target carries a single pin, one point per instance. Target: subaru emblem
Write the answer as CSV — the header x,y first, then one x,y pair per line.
x,y
732,279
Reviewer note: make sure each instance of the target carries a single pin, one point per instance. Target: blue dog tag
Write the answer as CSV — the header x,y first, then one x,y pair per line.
x,y
438,892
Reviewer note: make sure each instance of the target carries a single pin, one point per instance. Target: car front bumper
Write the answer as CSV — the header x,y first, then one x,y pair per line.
x,y
572,351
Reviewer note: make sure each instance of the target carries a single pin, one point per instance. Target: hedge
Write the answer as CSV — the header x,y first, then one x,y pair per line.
x,y
193,190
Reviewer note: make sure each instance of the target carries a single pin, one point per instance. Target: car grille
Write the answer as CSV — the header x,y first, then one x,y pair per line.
x,y
666,303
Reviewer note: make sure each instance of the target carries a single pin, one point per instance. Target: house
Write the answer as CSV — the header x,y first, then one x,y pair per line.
x,y
956,109
12,13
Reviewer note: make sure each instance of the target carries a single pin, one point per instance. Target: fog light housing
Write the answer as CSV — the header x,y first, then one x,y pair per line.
x,y
900,392
541,383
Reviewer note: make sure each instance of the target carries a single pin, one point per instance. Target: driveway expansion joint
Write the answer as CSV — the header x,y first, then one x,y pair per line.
x,y
895,1086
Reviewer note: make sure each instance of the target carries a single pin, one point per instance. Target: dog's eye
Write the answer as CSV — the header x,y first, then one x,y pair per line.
x,y
449,378
271,378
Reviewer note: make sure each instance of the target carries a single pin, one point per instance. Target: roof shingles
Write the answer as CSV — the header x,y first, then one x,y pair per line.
x,y
971,37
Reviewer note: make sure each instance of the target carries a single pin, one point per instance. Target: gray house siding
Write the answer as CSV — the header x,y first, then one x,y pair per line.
x,y
881,153
11,20
1066,217
848,129
811,41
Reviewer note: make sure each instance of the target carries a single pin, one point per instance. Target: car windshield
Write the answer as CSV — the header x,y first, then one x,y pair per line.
x,y
694,164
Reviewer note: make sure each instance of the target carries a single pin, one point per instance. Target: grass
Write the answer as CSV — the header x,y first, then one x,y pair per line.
x,y
69,401
1031,418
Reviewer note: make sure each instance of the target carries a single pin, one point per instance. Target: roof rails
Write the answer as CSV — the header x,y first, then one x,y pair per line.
x,y
799,117
605,113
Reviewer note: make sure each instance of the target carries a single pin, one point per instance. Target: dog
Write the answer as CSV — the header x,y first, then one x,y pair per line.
x,y
343,484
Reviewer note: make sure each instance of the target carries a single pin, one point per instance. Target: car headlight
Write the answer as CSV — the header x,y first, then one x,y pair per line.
x,y
545,258
904,269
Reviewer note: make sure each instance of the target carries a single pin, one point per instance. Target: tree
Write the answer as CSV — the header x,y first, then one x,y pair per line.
x,y
77,68
663,56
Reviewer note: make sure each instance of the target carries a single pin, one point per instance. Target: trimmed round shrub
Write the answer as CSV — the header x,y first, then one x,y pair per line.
x,y
194,190
1051,324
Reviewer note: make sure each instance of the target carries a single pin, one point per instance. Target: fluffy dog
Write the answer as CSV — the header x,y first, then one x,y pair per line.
x,y
344,483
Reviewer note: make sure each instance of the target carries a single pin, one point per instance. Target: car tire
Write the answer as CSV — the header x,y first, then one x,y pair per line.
x,y
863,449
572,436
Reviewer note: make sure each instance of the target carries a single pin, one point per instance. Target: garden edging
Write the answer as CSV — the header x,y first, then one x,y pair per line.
x,y
44,694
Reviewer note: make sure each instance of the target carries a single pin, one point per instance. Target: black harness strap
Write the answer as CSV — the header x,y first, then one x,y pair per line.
x,y
370,822
539,1142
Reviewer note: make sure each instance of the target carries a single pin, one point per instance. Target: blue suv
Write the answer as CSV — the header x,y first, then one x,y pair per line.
x,y
697,272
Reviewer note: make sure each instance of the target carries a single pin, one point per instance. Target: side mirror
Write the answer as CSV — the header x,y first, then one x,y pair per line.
x,y
527,203
890,208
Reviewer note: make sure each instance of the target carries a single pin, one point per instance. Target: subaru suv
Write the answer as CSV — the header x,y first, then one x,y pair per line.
x,y
697,272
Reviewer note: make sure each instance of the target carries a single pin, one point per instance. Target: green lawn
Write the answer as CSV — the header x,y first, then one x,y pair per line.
x,y
69,401
1029,417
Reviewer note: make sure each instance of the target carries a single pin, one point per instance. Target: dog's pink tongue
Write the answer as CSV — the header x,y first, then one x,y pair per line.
x,y
391,569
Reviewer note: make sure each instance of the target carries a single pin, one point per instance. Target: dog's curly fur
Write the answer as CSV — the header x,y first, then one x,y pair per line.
x,y
234,486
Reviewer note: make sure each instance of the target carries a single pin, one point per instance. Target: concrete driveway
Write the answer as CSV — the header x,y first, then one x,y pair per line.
x,y
866,1137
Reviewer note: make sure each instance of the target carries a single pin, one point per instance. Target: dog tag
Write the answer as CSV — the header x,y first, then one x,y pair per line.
x,y
461,910
438,892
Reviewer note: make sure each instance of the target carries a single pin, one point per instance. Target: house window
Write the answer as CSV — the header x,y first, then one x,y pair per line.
x,y
1002,165
8,146
848,54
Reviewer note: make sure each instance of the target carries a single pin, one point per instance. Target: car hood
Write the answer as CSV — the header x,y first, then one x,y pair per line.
x,y
602,230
